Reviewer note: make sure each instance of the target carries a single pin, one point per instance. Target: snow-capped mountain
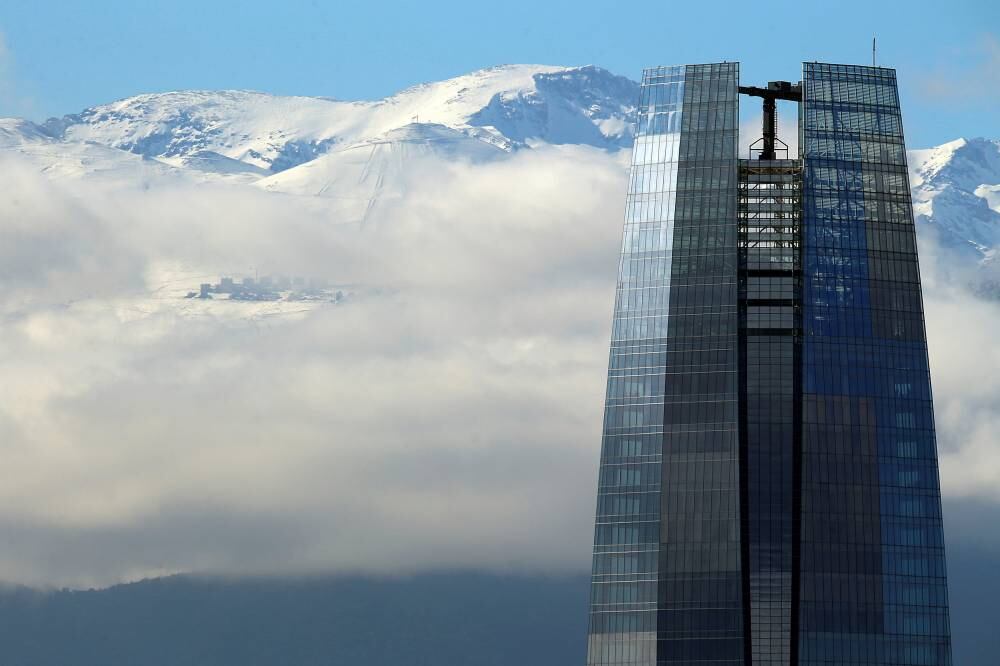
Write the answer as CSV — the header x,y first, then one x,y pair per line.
x,y
335,161
956,191
507,107
357,177
351,154
57,158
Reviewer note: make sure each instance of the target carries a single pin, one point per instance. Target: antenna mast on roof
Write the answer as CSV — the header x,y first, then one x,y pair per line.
x,y
873,49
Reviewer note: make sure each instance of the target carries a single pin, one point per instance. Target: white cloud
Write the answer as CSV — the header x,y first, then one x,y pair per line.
x,y
452,420
965,371
965,366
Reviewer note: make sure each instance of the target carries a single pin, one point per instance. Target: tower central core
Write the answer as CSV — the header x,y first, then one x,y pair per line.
x,y
774,91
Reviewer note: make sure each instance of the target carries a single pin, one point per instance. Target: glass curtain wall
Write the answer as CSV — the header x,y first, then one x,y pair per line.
x,y
666,576
701,601
627,534
872,553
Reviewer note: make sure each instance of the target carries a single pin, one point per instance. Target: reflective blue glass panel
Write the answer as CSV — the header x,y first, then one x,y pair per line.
x,y
872,553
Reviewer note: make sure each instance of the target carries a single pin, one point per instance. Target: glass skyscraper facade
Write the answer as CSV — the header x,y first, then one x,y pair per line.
x,y
768,490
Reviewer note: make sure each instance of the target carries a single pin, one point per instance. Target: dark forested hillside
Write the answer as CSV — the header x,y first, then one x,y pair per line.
x,y
444,619
439,619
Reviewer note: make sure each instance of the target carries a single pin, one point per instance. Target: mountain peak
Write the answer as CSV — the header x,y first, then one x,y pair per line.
x,y
966,163
509,106
956,188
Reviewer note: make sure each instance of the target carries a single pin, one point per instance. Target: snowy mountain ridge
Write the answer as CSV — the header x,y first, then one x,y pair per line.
x,y
956,191
353,154
507,107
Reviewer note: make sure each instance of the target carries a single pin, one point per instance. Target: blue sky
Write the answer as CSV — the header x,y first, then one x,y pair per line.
x,y
59,57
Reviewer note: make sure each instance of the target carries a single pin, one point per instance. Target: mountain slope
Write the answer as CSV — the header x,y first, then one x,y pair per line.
x,y
955,187
356,178
509,106
29,144
353,154
350,154
433,619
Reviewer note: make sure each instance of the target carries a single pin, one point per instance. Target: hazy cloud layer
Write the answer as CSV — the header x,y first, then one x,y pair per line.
x,y
452,419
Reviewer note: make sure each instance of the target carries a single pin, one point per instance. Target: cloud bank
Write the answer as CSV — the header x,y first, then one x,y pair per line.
x,y
448,417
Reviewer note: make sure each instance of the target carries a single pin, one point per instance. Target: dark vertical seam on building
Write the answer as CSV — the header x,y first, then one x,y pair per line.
x,y
797,427
744,453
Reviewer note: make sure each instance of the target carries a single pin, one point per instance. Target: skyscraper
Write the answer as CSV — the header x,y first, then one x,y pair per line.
x,y
768,490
